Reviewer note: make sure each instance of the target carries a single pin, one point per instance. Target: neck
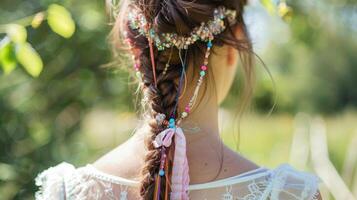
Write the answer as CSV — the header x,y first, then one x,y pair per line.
x,y
202,122
204,146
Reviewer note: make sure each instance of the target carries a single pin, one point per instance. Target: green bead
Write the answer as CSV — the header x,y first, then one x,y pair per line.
x,y
202,73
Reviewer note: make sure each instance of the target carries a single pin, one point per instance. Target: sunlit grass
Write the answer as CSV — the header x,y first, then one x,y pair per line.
x,y
267,139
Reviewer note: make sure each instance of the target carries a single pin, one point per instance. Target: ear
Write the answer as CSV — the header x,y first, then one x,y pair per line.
x,y
232,54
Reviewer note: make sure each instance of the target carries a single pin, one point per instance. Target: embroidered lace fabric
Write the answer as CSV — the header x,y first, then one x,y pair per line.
x,y
65,182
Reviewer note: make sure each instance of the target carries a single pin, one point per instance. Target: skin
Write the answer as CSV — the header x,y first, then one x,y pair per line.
x,y
209,159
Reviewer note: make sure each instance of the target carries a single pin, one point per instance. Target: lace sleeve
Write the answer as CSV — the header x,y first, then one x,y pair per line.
x,y
51,182
290,184
65,182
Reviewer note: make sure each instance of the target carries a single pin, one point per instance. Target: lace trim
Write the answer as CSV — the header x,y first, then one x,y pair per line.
x,y
316,196
243,177
110,178
86,183
294,184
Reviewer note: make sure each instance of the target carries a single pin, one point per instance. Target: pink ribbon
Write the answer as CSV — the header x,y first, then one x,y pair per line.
x,y
180,178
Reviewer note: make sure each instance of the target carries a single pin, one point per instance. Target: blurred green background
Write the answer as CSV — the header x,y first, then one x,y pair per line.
x,y
67,103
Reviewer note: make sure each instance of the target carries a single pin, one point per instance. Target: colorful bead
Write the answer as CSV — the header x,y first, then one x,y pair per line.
x,y
160,117
199,83
187,109
138,74
209,44
204,32
184,114
161,172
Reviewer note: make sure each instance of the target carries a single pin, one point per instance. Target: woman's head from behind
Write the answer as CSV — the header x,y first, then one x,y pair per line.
x,y
161,88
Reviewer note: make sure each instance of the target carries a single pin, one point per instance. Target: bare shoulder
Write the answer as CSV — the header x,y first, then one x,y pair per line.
x,y
237,163
126,161
123,161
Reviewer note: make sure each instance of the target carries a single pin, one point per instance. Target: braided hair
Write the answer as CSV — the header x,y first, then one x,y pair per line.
x,y
179,16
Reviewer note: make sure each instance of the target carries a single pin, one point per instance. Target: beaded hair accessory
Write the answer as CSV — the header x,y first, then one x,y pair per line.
x,y
204,33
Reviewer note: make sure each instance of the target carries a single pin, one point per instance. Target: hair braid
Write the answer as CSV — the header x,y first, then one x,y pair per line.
x,y
160,99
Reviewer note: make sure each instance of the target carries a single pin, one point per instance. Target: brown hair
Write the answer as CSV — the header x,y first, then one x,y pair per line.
x,y
179,16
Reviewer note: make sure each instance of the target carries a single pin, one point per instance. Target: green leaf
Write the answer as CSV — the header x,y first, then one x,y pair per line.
x,y
29,59
17,33
269,5
7,56
60,21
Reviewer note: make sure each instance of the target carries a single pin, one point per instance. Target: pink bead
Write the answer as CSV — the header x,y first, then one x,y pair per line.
x,y
204,67
136,66
187,109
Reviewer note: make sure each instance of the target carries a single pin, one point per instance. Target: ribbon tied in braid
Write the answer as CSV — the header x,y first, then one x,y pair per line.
x,y
180,177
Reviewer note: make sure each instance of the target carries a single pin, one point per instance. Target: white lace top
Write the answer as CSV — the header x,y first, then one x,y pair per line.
x,y
65,182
